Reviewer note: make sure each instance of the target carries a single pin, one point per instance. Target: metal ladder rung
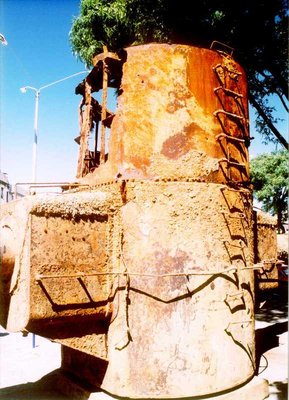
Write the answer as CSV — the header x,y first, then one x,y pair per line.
x,y
229,114
234,216
226,68
228,91
239,190
235,164
228,137
240,246
216,42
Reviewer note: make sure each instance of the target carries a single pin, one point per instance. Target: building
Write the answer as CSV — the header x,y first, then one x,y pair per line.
x,y
6,193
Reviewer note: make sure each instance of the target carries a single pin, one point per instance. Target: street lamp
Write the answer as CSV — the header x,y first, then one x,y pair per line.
x,y
37,93
3,40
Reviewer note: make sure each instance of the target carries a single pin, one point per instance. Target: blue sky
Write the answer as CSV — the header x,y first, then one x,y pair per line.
x,y
37,54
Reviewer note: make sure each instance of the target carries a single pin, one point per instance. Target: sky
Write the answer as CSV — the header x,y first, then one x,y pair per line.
x,y
39,53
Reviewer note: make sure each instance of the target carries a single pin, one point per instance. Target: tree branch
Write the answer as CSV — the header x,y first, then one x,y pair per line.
x,y
283,85
269,123
283,101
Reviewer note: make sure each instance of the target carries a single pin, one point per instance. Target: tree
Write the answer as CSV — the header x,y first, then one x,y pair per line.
x,y
257,29
269,174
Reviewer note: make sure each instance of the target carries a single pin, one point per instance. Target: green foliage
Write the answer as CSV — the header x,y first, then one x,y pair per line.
x,y
269,174
100,23
117,24
257,29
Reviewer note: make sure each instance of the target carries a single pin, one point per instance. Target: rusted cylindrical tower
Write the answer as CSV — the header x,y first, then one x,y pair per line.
x,y
155,253
184,324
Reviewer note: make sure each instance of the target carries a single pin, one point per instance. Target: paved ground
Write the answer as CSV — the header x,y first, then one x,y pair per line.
x,y
272,342
24,370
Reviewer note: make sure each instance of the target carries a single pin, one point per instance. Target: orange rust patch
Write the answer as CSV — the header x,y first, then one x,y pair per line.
x,y
181,143
140,162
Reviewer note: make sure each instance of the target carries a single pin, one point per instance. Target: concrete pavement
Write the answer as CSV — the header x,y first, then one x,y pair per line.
x,y
272,342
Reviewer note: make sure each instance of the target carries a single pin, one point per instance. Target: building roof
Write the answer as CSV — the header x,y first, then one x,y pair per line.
x,y
4,178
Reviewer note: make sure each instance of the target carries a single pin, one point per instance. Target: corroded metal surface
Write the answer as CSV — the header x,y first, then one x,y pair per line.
x,y
189,297
147,277
60,285
14,226
266,250
182,116
175,101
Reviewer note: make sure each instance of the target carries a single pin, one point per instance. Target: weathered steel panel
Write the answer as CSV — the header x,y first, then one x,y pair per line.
x,y
266,250
169,115
187,300
66,262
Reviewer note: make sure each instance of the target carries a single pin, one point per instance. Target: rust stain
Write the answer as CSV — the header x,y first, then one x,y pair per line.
x,y
177,98
178,145
140,162
170,263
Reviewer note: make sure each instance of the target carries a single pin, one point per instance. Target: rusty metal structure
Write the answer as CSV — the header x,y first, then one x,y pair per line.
x,y
265,243
144,271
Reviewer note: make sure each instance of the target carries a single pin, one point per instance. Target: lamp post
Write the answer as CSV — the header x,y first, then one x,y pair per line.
x,y
3,40
34,149
37,94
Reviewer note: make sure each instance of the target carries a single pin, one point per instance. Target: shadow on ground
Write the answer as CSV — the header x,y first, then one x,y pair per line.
x,y
268,338
274,310
273,304
280,389
44,389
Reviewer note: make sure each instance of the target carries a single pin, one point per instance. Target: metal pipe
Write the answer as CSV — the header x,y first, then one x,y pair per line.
x,y
46,184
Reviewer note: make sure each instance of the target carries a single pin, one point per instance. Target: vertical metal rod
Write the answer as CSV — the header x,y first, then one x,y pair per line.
x,y
103,113
35,139
95,140
33,341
